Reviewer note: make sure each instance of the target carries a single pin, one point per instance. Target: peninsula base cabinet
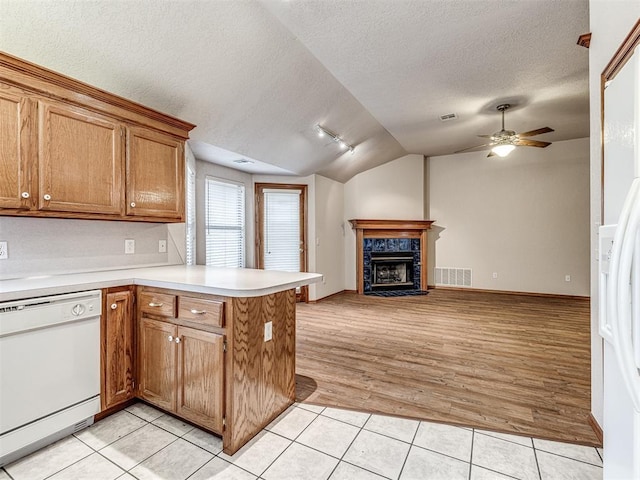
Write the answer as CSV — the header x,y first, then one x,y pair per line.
x,y
117,352
181,371
205,358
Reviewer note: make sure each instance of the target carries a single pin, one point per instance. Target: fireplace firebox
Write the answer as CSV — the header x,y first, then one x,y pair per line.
x,y
392,271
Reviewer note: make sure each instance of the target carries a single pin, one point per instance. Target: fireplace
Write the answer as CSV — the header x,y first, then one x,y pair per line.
x,y
391,254
392,271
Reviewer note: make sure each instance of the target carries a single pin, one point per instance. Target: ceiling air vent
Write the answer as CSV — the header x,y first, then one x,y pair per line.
x,y
448,116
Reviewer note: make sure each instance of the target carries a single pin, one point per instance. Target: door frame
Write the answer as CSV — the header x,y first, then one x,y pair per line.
x,y
303,296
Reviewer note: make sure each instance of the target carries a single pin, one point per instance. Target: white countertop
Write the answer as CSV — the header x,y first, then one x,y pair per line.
x,y
228,282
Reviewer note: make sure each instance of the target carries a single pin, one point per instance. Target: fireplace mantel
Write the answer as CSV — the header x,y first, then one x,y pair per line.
x,y
390,229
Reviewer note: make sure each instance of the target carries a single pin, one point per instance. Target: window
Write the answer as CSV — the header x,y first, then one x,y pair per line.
x,y
224,223
191,216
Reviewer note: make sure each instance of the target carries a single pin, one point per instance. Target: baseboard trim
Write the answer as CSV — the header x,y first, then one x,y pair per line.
x,y
332,295
511,292
596,427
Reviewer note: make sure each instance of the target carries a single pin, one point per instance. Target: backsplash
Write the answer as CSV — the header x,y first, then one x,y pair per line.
x,y
44,246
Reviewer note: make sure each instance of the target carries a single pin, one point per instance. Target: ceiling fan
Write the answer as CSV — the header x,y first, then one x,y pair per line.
x,y
504,141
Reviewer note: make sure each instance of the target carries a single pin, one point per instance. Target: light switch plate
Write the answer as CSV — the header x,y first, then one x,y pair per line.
x,y
268,331
4,250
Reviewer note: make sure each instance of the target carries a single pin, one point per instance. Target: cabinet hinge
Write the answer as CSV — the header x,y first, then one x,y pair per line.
x,y
224,347
224,422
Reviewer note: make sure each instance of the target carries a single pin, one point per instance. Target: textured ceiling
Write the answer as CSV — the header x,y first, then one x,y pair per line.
x,y
257,76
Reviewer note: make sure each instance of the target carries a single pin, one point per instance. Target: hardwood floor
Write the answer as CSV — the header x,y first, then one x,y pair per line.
x,y
512,363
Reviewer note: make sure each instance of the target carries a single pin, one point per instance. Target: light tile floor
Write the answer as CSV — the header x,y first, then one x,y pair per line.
x,y
306,442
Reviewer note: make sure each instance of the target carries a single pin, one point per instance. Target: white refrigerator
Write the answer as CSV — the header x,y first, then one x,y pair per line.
x,y
619,282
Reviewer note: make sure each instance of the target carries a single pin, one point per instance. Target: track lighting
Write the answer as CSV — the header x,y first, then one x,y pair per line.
x,y
341,143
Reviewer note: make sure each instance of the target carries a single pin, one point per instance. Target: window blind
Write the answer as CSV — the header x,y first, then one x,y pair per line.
x,y
224,223
191,217
282,230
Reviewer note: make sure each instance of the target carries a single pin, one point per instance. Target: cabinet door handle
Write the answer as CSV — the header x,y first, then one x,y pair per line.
x,y
114,306
198,312
25,195
177,339
133,204
47,197
151,304
171,338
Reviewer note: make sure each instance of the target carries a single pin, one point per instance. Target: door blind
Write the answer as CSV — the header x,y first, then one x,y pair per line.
x,y
191,217
224,223
282,230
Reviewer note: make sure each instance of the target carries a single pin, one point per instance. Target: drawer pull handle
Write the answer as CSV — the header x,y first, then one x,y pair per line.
x,y
151,304
47,197
25,195
198,312
133,204
171,338
177,339
114,306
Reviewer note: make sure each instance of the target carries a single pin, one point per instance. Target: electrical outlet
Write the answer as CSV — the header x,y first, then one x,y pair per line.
x,y
567,278
4,250
495,275
268,331
129,246
162,246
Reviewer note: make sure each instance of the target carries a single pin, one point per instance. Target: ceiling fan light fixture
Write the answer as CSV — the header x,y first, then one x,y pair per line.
x,y
503,150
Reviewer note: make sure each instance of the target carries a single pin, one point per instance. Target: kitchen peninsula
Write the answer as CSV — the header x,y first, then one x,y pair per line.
x,y
213,346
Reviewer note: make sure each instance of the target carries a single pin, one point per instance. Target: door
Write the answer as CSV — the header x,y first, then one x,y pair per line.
x,y
155,175
80,160
157,357
117,345
200,377
281,240
16,133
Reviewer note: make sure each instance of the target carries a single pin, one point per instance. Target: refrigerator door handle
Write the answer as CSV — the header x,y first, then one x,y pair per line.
x,y
619,292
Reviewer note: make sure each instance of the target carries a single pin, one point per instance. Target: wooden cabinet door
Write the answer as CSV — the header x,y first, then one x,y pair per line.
x,y
80,160
117,341
17,115
155,175
200,377
157,355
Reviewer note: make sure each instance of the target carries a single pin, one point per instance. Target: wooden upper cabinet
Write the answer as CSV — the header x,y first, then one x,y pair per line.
x,y
80,160
71,150
16,135
155,174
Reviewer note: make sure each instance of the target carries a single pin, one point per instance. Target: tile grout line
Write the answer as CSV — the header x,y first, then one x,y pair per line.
x,y
535,455
473,437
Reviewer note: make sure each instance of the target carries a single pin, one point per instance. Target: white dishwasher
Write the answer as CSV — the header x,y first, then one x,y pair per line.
x,y
49,370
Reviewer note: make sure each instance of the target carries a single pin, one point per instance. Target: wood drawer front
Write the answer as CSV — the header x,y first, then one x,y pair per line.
x,y
158,304
209,312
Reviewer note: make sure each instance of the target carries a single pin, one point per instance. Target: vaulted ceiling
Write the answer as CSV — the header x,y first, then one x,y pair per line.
x,y
257,76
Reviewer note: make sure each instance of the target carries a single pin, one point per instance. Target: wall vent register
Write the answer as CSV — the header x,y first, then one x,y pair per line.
x,y
455,277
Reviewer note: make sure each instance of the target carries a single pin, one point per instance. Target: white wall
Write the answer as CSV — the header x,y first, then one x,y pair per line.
x,y
41,246
610,23
391,191
330,236
525,217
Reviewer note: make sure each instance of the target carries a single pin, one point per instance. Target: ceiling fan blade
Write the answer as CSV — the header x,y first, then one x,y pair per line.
x,y
484,136
473,148
532,143
539,131
491,154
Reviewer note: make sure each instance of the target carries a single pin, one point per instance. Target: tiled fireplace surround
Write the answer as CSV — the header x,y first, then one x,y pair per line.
x,y
372,246
395,237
